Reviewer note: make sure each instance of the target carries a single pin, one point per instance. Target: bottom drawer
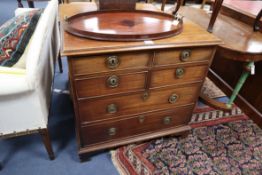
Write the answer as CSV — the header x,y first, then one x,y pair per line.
x,y
141,124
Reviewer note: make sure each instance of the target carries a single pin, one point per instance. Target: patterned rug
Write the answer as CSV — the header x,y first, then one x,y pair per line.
x,y
220,144
211,90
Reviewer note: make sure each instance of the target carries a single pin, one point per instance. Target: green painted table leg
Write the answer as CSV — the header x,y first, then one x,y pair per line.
x,y
240,84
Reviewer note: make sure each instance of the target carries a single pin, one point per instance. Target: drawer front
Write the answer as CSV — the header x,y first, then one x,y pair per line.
x,y
110,84
176,56
146,123
178,75
106,63
106,108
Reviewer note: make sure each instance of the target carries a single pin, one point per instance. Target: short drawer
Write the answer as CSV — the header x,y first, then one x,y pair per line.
x,y
107,63
157,99
141,124
176,56
178,75
110,84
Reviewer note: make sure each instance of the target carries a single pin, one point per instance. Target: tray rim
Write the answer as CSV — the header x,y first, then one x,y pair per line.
x,y
121,37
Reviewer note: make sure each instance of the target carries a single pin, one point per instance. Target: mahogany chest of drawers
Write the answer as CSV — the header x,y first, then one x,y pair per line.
x,y
125,92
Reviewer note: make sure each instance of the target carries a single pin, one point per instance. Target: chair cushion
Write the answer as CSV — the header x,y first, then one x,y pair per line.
x,y
15,35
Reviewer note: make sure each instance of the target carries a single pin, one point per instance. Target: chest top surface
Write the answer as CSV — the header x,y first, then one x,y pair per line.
x,y
192,35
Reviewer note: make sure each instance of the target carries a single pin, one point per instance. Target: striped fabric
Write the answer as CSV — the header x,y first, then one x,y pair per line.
x,y
208,116
211,115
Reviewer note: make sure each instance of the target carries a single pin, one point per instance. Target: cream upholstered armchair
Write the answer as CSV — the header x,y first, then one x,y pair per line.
x,y
25,94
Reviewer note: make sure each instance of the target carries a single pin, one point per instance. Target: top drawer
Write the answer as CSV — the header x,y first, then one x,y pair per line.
x,y
106,63
176,56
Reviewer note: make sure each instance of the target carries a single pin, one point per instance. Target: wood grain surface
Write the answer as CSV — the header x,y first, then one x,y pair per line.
x,y
136,125
96,109
155,84
99,86
237,36
116,4
192,35
235,27
120,25
98,63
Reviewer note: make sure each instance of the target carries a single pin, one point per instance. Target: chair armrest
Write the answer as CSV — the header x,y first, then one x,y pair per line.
x,y
12,71
20,11
40,50
13,81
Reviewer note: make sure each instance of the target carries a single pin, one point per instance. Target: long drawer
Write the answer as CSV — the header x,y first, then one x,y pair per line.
x,y
178,75
157,99
177,56
141,124
110,84
108,63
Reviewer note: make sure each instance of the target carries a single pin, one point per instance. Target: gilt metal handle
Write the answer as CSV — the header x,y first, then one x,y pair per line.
x,y
167,120
185,55
112,62
180,72
112,131
173,98
141,119
112,108
113,81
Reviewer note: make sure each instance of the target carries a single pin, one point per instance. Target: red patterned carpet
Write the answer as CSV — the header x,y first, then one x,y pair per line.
x,y
220,144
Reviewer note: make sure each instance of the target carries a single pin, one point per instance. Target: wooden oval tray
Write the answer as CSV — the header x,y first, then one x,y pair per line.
x,y
124,25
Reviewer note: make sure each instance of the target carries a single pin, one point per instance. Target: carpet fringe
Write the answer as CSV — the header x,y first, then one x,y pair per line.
x,y
119,168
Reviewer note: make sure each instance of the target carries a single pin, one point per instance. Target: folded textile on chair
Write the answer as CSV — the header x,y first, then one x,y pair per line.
x,y
15,35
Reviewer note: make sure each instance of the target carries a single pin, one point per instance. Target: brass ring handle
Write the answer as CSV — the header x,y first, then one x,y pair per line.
x,y
112,62
167,120
112,131
113,81
180,72
185,55
173,98
112,108
141,119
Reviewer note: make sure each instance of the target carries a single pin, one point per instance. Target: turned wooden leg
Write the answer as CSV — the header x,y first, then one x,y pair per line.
x,y
184,134
216,9
256,26
178,5
149,1
30,4
85,157
60,63
163,5
20,5
203,4
47,143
